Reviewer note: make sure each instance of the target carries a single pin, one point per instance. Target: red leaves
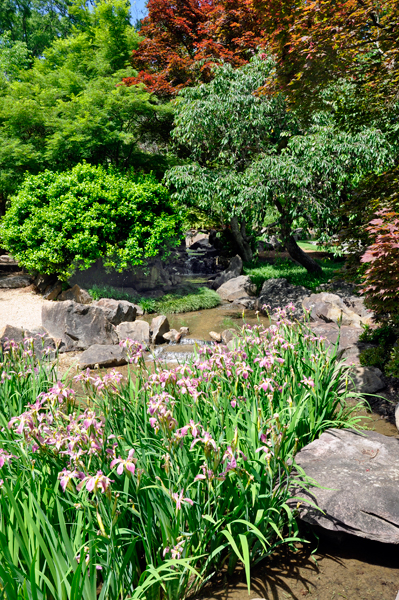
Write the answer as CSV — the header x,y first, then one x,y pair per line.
x,y
381,279
342,35
178,35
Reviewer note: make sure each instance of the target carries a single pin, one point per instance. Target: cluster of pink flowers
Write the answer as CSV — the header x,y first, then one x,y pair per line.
x,y
50,426
109,381
20,358
134,350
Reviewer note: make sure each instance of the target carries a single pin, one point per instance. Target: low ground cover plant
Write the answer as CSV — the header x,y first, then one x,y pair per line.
x,y
188,299
145,486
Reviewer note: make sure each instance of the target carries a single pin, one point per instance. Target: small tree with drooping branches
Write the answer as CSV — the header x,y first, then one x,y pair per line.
x,y
249,153
381,278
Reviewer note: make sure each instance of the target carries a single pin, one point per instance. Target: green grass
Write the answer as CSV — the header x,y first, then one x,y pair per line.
x,y
295,274
314,248
187,299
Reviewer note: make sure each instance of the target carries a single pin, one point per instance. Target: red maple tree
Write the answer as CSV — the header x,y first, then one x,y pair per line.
x,y
313,42
322,40
184,38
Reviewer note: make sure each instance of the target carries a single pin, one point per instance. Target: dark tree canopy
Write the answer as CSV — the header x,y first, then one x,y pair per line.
x,y
37,23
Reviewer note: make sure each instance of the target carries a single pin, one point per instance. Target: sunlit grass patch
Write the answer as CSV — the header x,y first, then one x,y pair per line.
x,y
260,271
187,299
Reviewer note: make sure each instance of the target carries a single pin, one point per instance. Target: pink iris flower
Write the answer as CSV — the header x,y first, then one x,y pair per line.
x,y
129,464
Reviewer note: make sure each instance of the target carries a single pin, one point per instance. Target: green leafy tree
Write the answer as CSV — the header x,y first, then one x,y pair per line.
x,y
14,56
62,221
36,23
250,153
71,107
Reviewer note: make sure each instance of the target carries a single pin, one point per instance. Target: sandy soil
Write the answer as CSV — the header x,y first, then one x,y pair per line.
x,y
21,308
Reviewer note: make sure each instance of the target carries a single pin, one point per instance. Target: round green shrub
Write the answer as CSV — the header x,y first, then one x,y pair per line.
x,y
62,221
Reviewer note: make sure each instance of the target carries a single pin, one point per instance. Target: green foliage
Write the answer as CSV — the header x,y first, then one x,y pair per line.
x,y
24,375
384,354
374,357
186,300
182,473
392,366
70,107
250,153
14,56
376,192
385,334
294,273
62,221
36,23
203,298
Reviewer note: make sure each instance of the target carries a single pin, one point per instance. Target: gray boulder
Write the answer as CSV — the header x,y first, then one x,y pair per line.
x,y
239,287
349,346
233,270
344,289
264,246
77,294
356,304
330,308
42,343
103,356
172,336
358,475
349,336
117,311
139,331
247,303
278,293
159,326
9,332
42,282
366,380
228,335
11,282
298,234
277,245
77,326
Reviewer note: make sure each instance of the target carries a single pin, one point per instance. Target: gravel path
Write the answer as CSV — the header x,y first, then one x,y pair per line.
x,y
20,308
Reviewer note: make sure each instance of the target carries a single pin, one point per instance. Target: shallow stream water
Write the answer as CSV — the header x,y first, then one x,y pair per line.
x,y
216,319
327,568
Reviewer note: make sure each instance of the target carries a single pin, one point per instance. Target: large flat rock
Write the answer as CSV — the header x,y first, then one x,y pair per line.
x,y
103,356
330,308
139,331
359,478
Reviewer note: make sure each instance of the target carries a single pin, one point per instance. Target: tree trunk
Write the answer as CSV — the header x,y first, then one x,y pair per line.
x,y
241,239
302,258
